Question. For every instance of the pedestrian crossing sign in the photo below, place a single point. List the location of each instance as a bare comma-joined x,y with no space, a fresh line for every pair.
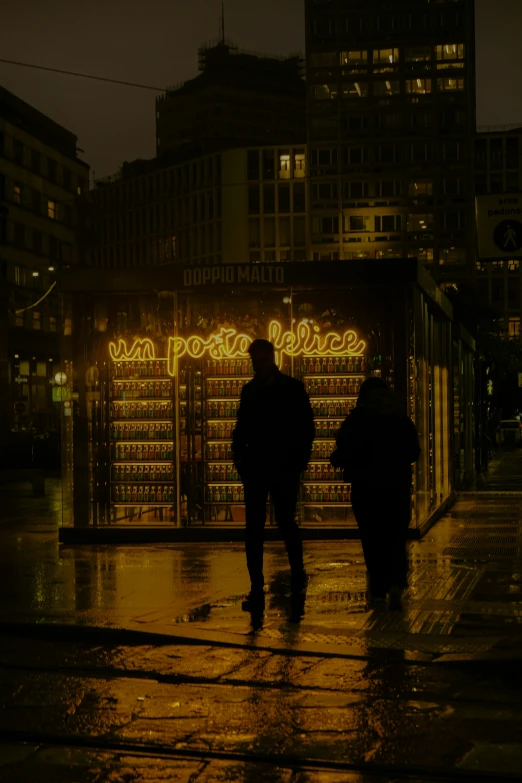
499,226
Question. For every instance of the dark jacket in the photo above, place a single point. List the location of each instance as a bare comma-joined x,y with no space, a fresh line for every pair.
275,426
376,444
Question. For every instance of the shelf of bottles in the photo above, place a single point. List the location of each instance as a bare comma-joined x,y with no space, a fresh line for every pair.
332,384
223,382
142,434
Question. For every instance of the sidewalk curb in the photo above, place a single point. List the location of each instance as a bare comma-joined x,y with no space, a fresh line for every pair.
362,648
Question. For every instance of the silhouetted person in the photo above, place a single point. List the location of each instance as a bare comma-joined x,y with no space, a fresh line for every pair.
376,447
272,443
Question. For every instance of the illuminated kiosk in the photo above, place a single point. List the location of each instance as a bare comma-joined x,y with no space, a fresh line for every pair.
157,358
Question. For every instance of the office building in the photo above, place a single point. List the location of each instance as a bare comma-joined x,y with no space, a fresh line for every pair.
40,178
228,207
391,118
498,158
237,99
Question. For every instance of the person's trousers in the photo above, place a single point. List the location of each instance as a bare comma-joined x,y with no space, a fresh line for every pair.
283,489
383,518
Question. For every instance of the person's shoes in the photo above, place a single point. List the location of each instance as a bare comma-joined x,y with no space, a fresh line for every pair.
255,601
395,598
299,581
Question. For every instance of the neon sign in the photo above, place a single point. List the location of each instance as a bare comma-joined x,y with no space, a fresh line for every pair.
141,349
305,340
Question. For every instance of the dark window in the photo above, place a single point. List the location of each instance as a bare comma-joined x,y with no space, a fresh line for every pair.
330,225
387,154
18,151
67,178
387,189
37,241
268,198
52,168
268,164
19,235
284,198
253,199
512,153
388,222
496,183
54,247
299,197
497,153
253,164
481,153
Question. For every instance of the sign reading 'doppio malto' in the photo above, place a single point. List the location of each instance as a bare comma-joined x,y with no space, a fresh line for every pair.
233,274
499,226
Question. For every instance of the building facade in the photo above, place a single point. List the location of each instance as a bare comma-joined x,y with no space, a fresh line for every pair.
228,207
498,159
237,99
391,118
40,178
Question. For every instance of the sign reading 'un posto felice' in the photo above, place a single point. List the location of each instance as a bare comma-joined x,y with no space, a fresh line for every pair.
233,274
499,226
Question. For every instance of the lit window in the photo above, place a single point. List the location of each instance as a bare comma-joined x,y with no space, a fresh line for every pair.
481,266
387,87
354,61
420,222
415,55
385,59
325,92
450,56
514,327
421,188
514,265
52,323
17,194
450,85
51,209
424,254
67,326
37,320
389,253
418,86
452,255
284,164
354,90
41,369
299,163
20,320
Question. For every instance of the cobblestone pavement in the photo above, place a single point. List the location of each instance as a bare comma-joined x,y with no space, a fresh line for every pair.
137,663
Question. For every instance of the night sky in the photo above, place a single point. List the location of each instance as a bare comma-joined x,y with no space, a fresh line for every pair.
156,43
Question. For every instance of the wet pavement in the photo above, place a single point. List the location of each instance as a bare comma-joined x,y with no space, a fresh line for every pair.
138,664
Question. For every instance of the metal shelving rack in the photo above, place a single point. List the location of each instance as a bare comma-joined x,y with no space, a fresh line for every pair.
142,431
332,384
223,381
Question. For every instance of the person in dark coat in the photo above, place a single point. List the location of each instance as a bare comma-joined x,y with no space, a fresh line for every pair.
376,447
272,444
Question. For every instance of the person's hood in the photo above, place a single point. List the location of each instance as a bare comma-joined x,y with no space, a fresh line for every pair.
379,402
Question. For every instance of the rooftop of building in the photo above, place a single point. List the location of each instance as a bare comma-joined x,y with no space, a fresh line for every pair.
28,119
500,129
223,63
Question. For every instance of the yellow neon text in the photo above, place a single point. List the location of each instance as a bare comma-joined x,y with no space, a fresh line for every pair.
305,340
141,349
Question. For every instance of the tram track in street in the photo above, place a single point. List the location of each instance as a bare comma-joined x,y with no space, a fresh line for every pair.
378,771
104,674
